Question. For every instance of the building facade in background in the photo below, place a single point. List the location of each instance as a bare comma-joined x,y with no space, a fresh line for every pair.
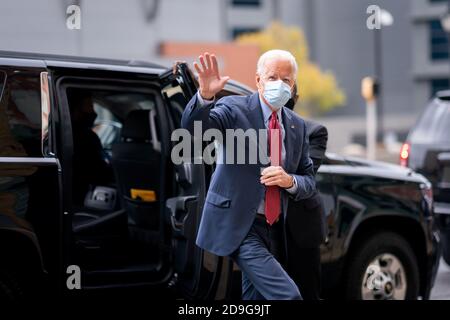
430,51
415,55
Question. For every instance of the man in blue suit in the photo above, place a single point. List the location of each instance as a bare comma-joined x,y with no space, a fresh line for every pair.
245,209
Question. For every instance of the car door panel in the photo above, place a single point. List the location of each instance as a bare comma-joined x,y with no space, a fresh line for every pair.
195,270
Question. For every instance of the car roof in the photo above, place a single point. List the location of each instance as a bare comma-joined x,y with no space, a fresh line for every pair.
67,61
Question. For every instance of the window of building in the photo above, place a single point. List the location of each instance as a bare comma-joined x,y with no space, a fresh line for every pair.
236,32
439,85
246,3
439,46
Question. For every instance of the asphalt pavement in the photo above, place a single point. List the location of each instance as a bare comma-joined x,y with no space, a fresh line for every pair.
441,289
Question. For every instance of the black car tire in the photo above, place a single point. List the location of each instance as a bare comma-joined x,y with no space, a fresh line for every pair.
369,249
10,289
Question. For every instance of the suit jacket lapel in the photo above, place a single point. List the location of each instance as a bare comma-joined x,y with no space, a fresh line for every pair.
255,116
290,140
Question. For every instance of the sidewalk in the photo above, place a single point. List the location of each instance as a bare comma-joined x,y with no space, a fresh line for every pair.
441,290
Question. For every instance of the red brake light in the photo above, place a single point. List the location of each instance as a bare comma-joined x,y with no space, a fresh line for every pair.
404,154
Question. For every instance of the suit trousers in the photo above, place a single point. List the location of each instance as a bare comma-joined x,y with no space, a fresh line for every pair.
263,277
305,269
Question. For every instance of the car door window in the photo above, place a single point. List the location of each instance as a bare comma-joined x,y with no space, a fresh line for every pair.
106,126
176,102
434,124
20,114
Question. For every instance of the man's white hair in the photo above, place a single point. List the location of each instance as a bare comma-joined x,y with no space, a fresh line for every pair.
274,54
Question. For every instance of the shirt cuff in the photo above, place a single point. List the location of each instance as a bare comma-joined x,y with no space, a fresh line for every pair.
201,101
293,189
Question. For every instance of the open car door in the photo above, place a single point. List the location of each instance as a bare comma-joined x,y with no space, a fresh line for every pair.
196,273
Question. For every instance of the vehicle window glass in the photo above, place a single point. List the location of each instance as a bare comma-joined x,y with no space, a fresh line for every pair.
98,120
107,126
446,175
176,102
434,124
20,114
110,111
116,107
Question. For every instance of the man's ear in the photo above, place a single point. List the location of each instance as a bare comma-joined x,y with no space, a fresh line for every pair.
258,83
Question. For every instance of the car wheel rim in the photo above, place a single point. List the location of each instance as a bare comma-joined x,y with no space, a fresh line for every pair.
384,279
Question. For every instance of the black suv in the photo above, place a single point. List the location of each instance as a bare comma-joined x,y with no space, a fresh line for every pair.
90,199
427,151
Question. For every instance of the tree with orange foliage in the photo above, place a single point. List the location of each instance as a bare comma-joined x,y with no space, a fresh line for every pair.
318,90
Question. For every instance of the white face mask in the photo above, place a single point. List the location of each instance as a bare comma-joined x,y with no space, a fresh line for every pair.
277,93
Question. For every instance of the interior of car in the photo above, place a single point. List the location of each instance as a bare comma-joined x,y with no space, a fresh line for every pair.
119,182
133,211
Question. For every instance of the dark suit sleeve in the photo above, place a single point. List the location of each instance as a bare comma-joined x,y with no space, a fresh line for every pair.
217,115
304,174
318,145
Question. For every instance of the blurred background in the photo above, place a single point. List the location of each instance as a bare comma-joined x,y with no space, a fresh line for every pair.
331,40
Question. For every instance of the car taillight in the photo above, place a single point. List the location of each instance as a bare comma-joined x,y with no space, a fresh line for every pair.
404,154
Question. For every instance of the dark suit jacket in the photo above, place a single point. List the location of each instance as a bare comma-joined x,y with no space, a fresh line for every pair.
306,218
235,190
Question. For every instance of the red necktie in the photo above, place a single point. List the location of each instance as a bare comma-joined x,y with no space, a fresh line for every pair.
272,205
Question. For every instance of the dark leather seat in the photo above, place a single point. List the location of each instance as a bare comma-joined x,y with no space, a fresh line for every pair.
100,212
136,161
